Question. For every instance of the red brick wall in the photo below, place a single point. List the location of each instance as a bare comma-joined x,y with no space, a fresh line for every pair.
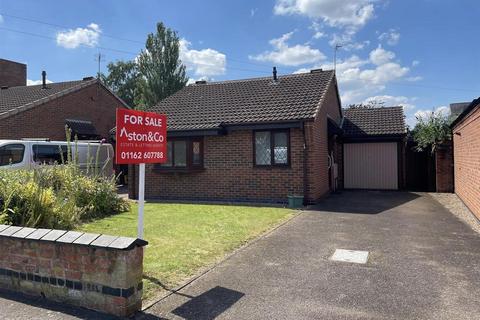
103,279
12,74
444,168
230,175
317,144
466,144
92,103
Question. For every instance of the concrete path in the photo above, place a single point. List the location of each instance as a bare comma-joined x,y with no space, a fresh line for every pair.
424,264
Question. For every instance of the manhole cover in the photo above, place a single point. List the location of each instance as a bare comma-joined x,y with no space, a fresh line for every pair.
354,256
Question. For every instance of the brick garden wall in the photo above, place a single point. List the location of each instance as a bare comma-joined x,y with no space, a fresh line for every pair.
466,144
102,273
92,103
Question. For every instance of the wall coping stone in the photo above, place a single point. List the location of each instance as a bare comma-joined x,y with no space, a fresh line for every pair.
71,237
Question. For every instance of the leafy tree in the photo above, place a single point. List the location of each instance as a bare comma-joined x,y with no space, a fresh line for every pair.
154,75
162,72
123,77
431,131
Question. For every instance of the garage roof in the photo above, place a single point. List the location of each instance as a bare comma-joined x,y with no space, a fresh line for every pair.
366,122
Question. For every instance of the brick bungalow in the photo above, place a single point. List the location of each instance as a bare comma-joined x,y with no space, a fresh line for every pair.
257,140
42,111
466,154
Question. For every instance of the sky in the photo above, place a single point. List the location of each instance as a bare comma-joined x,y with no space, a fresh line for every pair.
422,54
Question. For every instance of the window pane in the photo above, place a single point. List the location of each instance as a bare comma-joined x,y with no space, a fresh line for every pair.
280,150
49,154
180,153
262,148
169,155
196,153
11,154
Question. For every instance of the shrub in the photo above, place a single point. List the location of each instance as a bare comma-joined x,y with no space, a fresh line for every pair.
58,196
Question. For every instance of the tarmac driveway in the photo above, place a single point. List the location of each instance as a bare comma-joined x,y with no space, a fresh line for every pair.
424,264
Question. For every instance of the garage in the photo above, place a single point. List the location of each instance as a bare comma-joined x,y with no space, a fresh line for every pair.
374,148
371,165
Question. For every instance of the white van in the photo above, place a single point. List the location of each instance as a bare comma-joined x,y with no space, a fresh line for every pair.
26,154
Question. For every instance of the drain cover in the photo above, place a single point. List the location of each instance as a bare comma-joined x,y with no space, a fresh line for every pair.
353,256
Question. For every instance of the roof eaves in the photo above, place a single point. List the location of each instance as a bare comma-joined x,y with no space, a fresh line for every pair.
46,99
322,98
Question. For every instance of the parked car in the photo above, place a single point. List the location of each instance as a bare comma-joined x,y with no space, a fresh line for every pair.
27,154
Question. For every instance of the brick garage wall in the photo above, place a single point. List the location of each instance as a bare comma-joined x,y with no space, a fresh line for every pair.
444,168
466,144
230,174
317,146
12,73
105,278
92,103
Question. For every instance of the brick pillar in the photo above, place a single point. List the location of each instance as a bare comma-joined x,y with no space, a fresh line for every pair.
444,167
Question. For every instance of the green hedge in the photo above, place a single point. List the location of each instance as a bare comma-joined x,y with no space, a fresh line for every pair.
58,196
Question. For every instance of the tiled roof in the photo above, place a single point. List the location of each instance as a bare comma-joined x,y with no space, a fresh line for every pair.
211,105
361,122
17,99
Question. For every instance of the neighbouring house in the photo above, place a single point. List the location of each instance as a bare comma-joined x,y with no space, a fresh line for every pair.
86,106
466,154
374,142
257,140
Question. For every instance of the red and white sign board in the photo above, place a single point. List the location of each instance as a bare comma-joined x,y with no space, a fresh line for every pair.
141,137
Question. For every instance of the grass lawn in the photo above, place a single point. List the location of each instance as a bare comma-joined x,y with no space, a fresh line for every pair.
183,238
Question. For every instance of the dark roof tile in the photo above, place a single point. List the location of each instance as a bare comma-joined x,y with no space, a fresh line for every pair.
15,97
211,105
360,122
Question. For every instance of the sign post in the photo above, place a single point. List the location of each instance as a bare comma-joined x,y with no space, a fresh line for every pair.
141,137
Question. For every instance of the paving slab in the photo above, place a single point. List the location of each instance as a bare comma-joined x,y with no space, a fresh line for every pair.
103,241
38,234
69,237
24,232
10,230
53,235
86,238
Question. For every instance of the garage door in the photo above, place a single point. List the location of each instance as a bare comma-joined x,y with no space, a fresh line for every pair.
371,165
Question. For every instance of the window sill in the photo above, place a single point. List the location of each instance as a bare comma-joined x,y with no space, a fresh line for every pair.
177,170
272,167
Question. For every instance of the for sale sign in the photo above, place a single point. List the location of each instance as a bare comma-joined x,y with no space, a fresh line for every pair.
141,137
